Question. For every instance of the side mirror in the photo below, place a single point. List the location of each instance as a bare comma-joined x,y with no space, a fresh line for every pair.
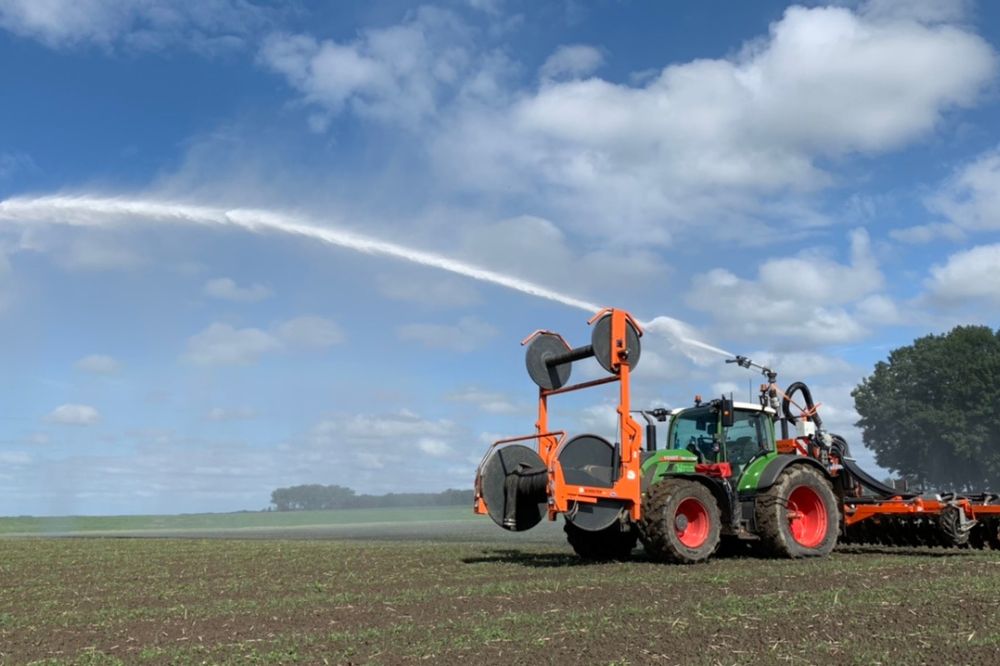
726,411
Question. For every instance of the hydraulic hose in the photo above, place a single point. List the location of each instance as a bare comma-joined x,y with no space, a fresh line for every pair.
786,403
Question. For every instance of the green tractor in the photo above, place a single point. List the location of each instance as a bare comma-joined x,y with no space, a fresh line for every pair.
721,480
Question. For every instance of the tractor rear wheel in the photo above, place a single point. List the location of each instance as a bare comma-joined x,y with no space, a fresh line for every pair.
611,543
798,515
681,521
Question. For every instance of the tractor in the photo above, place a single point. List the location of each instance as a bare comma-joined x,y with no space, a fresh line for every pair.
727,475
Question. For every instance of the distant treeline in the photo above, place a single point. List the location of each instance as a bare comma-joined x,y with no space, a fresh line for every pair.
316,497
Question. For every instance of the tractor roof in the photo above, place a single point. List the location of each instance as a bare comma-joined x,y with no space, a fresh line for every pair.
750,406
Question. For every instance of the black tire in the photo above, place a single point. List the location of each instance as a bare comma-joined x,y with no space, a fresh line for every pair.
992,526
774,514
664,521
733,546
612,543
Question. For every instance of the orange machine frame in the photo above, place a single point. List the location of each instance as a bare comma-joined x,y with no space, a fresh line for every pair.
627,487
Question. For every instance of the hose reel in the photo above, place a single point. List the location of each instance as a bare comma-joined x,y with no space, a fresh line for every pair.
592,461
549,359
512,482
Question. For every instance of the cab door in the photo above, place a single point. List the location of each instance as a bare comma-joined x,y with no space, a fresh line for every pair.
748,437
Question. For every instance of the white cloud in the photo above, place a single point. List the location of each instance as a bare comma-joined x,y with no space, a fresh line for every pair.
14,458
389,452
801,298
397,73
968,276
6,280
222,344
970,199
436,292
572,61
143,25
722,136
491,7
468,334
98,253
403,424
98,364
223,414
70,414
226,289
926,11
434,447
309,332
879,310
726,388
536,248
925,233
13,163
492,402
793,366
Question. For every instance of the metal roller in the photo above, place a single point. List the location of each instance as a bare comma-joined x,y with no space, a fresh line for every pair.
545,348
549,359
588,460
600,341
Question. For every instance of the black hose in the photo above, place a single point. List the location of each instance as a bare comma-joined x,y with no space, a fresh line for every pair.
524,489
786,403
840,446
862,477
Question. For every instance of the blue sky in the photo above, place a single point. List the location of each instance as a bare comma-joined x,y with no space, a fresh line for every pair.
810,184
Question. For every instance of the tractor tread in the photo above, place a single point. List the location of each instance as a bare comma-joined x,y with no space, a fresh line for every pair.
659,508
776,539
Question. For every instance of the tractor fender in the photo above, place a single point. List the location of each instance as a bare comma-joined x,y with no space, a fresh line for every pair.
718,492
783,462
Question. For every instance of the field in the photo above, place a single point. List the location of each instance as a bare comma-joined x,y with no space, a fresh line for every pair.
363,588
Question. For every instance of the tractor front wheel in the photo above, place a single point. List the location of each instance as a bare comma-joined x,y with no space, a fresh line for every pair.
611,543
681,522
798,515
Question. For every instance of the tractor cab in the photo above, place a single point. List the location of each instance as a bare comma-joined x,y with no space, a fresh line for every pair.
722,431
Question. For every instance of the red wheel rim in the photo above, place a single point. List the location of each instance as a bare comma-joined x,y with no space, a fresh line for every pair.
807,517
691,523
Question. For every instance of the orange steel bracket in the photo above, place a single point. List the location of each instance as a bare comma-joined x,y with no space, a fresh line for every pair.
478,504
627,486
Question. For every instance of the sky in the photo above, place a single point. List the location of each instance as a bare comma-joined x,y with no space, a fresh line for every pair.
196,301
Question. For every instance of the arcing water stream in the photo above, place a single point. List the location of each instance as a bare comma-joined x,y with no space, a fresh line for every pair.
90,211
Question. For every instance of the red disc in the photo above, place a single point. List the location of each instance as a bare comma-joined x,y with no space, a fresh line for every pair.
807,517
691,523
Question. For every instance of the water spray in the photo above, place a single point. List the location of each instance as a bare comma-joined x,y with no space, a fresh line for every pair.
102,212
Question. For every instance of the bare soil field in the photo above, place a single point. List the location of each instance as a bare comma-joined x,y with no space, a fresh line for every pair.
354,601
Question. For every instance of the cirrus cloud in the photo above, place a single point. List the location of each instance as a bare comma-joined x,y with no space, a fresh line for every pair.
73,414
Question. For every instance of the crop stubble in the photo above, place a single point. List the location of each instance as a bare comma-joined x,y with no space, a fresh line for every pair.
297,601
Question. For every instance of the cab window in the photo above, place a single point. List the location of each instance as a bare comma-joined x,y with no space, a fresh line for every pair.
697,431
748,436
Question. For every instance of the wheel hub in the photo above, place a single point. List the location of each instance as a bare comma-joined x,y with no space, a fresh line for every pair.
691,523
807,518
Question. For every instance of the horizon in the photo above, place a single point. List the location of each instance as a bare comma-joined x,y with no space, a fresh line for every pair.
253,245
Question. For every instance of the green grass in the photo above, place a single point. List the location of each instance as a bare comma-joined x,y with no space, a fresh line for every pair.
108,601
229,521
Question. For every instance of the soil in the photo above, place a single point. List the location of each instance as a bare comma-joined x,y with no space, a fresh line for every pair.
351,602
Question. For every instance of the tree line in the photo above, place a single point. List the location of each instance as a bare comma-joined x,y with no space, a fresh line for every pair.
317,497
931,411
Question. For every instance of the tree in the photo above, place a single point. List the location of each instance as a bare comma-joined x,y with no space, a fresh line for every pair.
314,497
932,412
